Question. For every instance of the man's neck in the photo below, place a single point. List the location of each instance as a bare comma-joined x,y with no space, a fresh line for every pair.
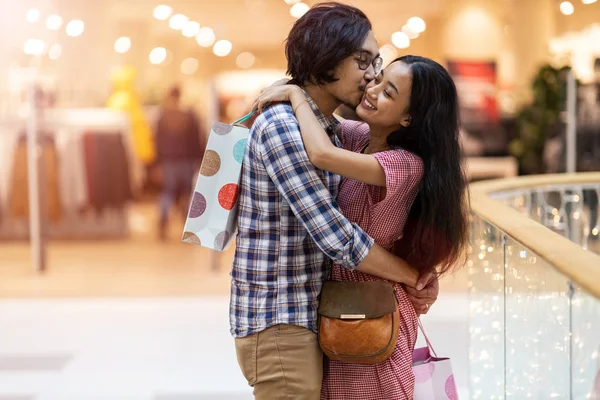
326,103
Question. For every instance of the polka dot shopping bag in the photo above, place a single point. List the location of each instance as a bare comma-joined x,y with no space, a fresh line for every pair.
212,218
434,379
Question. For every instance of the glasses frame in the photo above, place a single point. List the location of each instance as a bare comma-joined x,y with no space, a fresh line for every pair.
376,62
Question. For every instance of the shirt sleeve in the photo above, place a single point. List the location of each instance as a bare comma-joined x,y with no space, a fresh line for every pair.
298,181
403,174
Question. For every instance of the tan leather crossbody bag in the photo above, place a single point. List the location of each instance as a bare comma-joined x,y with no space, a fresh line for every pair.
358,321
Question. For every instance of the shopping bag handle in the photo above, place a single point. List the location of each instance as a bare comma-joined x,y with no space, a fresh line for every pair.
244,118
426,338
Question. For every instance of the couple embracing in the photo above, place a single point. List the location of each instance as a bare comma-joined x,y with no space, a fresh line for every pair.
323,199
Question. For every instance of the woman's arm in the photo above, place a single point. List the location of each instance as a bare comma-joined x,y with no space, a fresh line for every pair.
321,151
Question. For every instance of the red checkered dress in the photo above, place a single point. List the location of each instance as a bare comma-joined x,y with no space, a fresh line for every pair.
384,221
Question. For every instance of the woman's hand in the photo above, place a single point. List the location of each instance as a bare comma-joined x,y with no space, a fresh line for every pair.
277,93
428,289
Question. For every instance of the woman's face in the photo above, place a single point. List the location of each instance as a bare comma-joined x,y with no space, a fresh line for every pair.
386,100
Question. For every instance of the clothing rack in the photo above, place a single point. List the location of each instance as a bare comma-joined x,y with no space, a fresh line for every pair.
65,123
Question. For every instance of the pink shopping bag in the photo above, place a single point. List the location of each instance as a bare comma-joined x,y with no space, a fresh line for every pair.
434,379
596,389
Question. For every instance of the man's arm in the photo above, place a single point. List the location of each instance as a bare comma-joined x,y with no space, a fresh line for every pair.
384,264
297,180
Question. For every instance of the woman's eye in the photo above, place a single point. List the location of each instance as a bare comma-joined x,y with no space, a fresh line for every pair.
385,92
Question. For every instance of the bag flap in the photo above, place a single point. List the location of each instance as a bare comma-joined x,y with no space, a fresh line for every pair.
357,300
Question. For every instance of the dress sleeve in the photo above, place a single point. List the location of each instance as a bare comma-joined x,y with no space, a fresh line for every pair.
403,174
354,133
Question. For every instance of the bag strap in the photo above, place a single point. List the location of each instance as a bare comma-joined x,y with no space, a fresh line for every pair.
244,118
426,338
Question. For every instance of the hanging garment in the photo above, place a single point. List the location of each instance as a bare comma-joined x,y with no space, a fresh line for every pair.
72,173
8,139
49,186
107,170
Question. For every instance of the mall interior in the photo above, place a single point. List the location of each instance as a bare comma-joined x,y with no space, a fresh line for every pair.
101,299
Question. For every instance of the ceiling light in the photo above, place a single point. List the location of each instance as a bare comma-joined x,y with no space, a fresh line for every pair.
55,52
222,48
299,9
189,66
567,8
54,22
122,45
206,37
33,15
417,24
75,28
190,29
400,40
178,21
588,1
409,32
245,60
34,47
158,55
291,2
162,12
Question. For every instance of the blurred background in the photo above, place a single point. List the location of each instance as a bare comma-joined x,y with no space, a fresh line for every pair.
99,299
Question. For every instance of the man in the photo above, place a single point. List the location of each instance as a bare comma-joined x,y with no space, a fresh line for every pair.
179,147
289,226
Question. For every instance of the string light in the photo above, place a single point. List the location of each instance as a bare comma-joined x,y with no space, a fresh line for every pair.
222,48
417,24
162,12
34,47
206,37
54,22
400,40
408,31
75,28
122,45
567,8
189,66
33,15
55,52
178,21
191,29
245,60
299,9
158,55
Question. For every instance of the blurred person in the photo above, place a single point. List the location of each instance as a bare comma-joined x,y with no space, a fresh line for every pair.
179,150
403,179
289,226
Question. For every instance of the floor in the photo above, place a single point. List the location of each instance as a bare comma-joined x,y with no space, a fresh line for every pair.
144,320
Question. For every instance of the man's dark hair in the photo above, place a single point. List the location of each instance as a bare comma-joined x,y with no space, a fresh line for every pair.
321,39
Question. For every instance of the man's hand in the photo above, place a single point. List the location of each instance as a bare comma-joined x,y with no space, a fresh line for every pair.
423,299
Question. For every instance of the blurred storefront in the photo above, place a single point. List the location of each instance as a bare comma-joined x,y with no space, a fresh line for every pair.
101,70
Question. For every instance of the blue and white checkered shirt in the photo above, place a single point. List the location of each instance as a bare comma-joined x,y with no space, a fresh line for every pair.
289,228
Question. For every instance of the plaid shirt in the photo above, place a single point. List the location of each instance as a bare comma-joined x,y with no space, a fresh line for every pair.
289,228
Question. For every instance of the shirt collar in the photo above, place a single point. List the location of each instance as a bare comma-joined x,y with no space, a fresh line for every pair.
330,124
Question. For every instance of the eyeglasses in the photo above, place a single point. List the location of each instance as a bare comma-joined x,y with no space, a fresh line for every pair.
365,59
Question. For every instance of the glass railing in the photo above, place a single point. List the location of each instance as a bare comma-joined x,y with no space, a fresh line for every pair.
534,296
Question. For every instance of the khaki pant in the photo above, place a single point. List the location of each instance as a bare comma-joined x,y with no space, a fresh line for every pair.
282,362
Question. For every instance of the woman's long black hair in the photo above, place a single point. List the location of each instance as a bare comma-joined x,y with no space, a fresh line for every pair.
436,231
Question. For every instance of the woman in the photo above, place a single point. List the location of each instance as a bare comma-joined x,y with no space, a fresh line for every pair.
404,186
